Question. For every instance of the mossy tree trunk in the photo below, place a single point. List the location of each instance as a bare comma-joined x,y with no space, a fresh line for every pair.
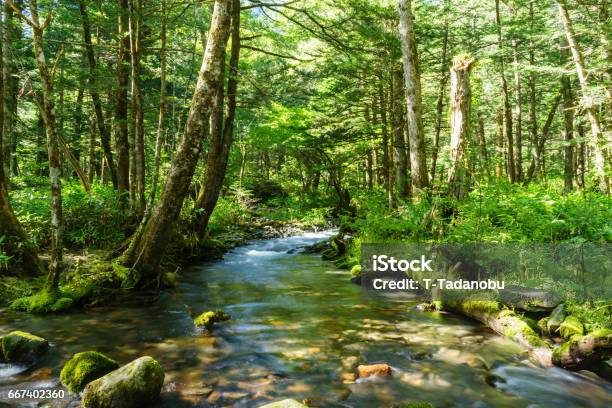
146,249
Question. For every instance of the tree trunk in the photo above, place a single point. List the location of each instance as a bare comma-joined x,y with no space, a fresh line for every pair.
533,118
12,35
441,93
482,143
146,250
414,105
602,161
537,166
518,116
95,95
48,114
580,159
400,158
15,241
499,145
137,109
461,102
369,174
121,101
507,109
219,149
386,167
568,134
92,149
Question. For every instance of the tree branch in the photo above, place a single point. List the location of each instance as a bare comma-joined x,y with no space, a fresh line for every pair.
275,54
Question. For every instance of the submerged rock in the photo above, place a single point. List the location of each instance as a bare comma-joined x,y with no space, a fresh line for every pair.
84,368
208,319
288,403
137,384
381,370
529,299
22,347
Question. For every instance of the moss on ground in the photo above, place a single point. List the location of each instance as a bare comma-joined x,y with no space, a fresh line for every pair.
208,319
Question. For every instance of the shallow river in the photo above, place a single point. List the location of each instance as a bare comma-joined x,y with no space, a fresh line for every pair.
297,326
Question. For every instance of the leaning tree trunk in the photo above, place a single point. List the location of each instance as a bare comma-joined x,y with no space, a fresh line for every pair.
15,241
219,149
414,103
146,250
460,100
12,35
538,158
602,162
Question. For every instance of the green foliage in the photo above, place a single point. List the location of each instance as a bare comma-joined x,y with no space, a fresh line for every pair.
208,319
571,326
45,301
595,315
94,220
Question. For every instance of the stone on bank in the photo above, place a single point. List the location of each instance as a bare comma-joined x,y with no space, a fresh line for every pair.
137,384
288,403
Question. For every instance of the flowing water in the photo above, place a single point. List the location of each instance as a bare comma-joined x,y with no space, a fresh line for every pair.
297,329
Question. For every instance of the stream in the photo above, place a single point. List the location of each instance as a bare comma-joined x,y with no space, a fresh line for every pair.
297,325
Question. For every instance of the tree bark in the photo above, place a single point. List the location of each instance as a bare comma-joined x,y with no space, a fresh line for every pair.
499,145
518,116
533,117
137,100
218,151
146,250
461,102
369,175
121,101
568,134
400,158
12,35
414,104
599,142
386,167
95,95
507,109
537,166
482,143
441,93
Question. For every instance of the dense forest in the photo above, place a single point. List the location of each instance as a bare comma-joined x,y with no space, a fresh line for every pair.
141,137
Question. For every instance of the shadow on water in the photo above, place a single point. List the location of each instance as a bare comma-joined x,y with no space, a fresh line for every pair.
297,330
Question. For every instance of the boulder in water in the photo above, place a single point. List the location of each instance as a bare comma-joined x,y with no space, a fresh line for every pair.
84,368
381,370
137,384
529,299
288,403
22,347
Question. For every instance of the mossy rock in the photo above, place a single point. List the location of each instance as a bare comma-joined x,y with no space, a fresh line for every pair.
571,326
529,299
22,347
288,403
420,404
137,384
208,319
84,368
556,318
356,271
42,302
543,325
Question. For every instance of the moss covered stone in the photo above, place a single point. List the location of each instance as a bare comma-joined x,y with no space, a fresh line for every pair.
137,384
208,319
84,368
22,347
556,318
356,270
